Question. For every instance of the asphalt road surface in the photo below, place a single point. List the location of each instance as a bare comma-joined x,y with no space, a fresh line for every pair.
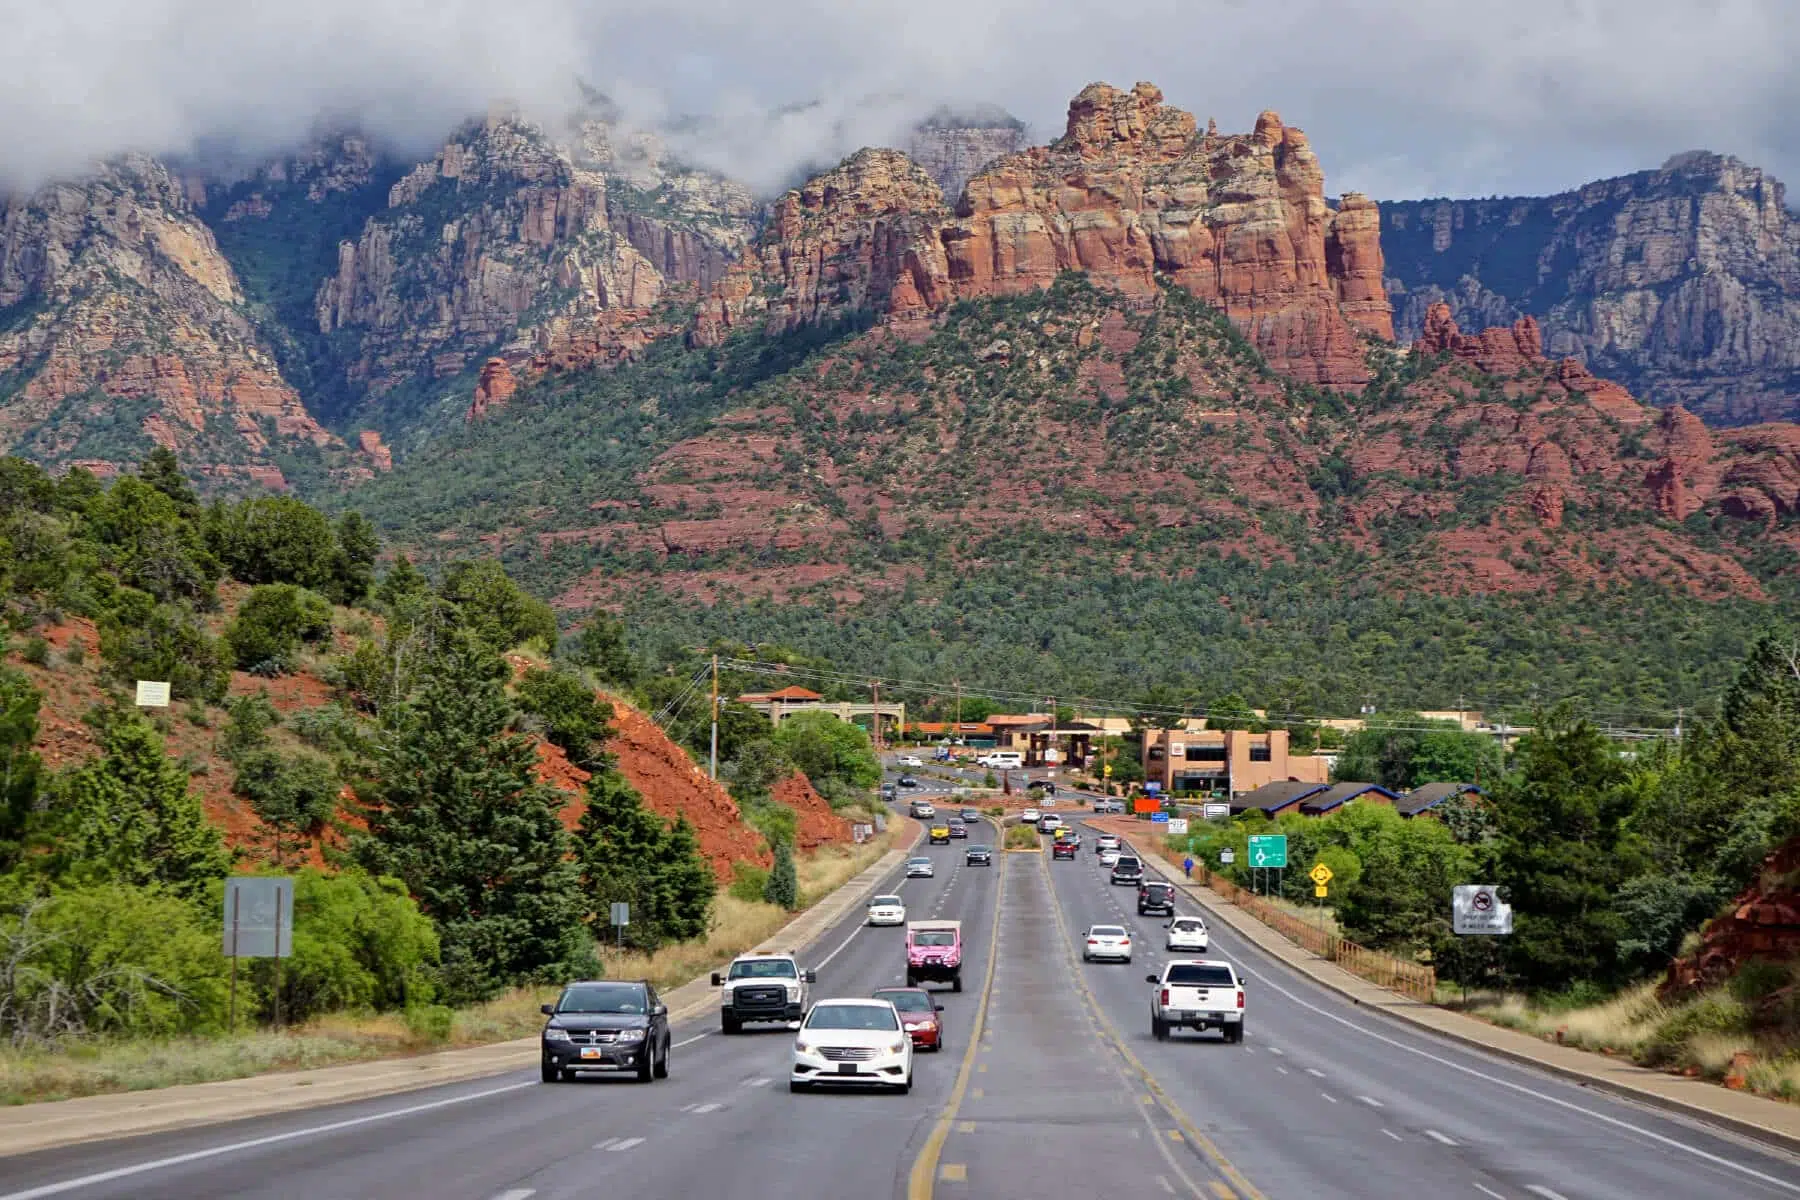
1049,1086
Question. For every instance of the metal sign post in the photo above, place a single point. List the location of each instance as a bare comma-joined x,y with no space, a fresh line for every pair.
621,917
259,923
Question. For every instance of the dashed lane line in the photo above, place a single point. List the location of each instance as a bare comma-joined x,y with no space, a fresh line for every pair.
1440,1139
1538,1189
1371,1101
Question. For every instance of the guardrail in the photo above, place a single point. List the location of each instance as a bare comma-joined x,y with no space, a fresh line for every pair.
1409,979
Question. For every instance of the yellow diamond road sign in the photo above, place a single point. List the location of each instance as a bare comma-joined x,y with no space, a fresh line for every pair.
1321,874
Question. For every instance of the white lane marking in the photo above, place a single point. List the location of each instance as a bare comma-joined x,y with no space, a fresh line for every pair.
516,1194
755,1082
1329,1097
1315,1072
689,1041
1371,1101
606,1145
1615,1122
175,1160
1488,1191
1282,1070
1166,1185
1439,1138
625,1144
1277,1051
708,1108
1538,1189
1393,1135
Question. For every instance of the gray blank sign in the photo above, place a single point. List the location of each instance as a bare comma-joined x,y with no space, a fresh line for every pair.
263,908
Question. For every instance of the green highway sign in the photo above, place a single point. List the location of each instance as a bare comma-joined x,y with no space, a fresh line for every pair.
1268,850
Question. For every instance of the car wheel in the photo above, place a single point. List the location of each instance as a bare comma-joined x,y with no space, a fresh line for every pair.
646,1065
1234,1033
730,1025
956,984
1159,1029
795,1086
662,1064
906,1084
552,1074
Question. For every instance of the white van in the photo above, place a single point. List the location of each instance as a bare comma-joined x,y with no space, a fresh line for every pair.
1002,760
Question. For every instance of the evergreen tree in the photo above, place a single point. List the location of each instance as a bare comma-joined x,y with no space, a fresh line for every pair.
601,648
457,813
18,764
162,471
1564,853
630,854
353,565
783,888
128,816
402,582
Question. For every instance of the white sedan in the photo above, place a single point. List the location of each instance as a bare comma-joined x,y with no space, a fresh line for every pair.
888,910
852,1041
1107,941
919,868
1109,856
911,760
1188,933
1031,816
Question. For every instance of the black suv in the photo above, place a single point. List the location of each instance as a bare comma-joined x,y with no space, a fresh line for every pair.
1158,898
606,1025
1128,870
978,854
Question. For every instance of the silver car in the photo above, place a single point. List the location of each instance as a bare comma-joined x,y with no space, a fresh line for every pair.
919,868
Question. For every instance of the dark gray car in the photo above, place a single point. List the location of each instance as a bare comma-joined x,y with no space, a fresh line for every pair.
606,1025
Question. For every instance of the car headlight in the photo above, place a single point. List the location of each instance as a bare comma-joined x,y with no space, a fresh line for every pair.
553,1034
898,1047
803,1048
631,1035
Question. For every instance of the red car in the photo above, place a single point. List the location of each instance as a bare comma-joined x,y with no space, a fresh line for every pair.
919,1014
1063,850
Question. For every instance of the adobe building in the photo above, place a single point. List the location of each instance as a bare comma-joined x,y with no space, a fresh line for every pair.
1228,760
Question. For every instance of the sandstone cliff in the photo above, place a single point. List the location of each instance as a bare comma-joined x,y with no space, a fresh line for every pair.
122,325
1133,190
953,145
1683,283
507,242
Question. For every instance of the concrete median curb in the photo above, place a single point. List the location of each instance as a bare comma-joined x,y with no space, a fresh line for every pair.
1758,1118
31,1127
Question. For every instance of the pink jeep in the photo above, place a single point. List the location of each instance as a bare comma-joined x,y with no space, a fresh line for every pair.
934,953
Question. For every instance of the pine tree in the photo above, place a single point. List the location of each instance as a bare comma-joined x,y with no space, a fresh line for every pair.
162,471
630,854
128,816
783,887
457,813
18,764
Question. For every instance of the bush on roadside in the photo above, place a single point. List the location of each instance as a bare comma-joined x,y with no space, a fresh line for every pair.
270,626
1022,837
430,1022
360,943
748,882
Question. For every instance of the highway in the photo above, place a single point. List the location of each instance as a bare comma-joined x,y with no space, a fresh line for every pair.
1062,1093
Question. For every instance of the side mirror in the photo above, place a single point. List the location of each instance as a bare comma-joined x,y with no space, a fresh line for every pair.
718,980
1150,979
549,1010
810,976
662,1010
938,1007
1166,924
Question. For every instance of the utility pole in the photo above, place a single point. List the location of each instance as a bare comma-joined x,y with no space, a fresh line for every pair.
875,717
714,773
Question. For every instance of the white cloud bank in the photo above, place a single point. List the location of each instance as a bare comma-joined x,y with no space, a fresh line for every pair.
1401,97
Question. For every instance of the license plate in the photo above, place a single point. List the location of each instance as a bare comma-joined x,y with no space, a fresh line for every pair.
846,1068
590,1052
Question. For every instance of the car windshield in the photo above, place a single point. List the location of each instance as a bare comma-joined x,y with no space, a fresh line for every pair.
604,998
885,902
852,1016
1107,931
907,1001
763,968
978,849
920,862
1128,861
1192,975
1156,889
933,937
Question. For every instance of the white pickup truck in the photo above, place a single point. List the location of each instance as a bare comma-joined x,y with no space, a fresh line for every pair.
1198,994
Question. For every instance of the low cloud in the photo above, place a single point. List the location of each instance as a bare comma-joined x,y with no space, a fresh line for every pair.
1401,97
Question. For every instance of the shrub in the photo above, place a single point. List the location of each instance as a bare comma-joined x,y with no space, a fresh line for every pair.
273,539
273,621
748,882
36,652
1022,837
574,718
359,943
248,720
430,1022
144,640
76,653
329,727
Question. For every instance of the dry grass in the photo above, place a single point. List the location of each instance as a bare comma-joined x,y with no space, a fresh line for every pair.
103,1066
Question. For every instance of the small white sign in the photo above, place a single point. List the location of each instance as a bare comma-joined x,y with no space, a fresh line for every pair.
1214,811
1476,908
152,693
1177,826
259,916
1227,857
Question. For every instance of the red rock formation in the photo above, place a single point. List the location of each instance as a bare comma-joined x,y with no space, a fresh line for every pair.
494,389
1130,192
817,825
379,456
1498,351
1764,923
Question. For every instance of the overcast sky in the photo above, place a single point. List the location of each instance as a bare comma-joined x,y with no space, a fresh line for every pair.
1402,98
